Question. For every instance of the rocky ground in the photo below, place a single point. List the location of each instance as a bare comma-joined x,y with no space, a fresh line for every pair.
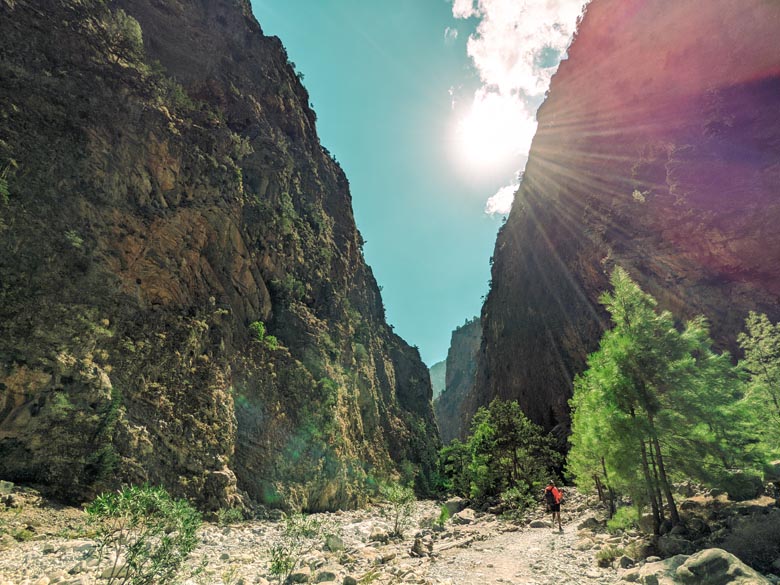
42,544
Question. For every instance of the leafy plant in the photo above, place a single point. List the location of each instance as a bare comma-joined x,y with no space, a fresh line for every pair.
144,533
625,518
515,502
258,330
299,536
227,516
401,504
74,239
444,515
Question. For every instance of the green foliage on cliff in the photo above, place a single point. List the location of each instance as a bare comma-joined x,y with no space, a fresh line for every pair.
504,451
656,404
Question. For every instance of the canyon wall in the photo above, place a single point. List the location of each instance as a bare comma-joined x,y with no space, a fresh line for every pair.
183,294
658,150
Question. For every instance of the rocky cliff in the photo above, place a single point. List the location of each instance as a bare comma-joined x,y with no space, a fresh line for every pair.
657,150
459,383
183,294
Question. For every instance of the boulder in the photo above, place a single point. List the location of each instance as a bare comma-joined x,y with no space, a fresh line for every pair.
714,566
326,576
669,546
466,516
300,575
455,505
658,573
378,535
772,471
741,486
334,543
589,524
539,524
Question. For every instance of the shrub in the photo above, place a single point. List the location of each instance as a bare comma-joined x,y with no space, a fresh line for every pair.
444,515
147,528
624,518
756,541
606,556
258,330
401,503
226,516
515,502
299,536
271,342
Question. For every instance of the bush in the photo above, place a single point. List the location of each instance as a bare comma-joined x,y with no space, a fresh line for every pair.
624,518
444,515
401,503
606,556
515,502
756,541
258,330
226,516
742,485
147,528
299,536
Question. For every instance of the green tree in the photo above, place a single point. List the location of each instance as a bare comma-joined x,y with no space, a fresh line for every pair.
655,402
505,451
761,344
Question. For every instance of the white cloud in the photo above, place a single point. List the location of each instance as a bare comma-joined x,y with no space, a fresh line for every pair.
516,49
501,202
450,35
518,43
463,9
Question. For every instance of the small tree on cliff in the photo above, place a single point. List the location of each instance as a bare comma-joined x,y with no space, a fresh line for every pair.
655,402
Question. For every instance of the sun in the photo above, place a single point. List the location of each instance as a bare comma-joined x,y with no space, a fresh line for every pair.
495,132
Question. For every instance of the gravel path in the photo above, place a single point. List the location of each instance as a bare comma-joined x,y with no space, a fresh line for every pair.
531,556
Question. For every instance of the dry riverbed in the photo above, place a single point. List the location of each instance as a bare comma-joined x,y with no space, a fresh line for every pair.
44,544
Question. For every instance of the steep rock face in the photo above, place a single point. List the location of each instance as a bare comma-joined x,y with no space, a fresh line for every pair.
460,380
183,295
657,150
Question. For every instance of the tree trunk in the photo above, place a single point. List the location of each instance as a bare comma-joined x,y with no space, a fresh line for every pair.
650,490
609,488
675,516
658,494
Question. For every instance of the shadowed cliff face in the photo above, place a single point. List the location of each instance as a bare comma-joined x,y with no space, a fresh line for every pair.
459,385
657,150
165,196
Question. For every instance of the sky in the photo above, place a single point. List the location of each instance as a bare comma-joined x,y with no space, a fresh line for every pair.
429,107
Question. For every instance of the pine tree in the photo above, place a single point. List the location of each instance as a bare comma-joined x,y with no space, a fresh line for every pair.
656,403
761,344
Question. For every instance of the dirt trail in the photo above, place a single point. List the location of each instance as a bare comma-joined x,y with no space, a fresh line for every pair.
531,556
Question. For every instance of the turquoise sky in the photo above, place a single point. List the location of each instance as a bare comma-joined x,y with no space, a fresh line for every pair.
380,76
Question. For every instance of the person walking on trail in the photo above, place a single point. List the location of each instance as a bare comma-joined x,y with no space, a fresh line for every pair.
553,497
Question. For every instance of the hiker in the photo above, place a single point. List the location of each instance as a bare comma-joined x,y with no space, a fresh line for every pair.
553,497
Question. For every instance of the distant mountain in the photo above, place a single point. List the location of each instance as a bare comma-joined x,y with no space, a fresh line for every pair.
459,382
438,372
